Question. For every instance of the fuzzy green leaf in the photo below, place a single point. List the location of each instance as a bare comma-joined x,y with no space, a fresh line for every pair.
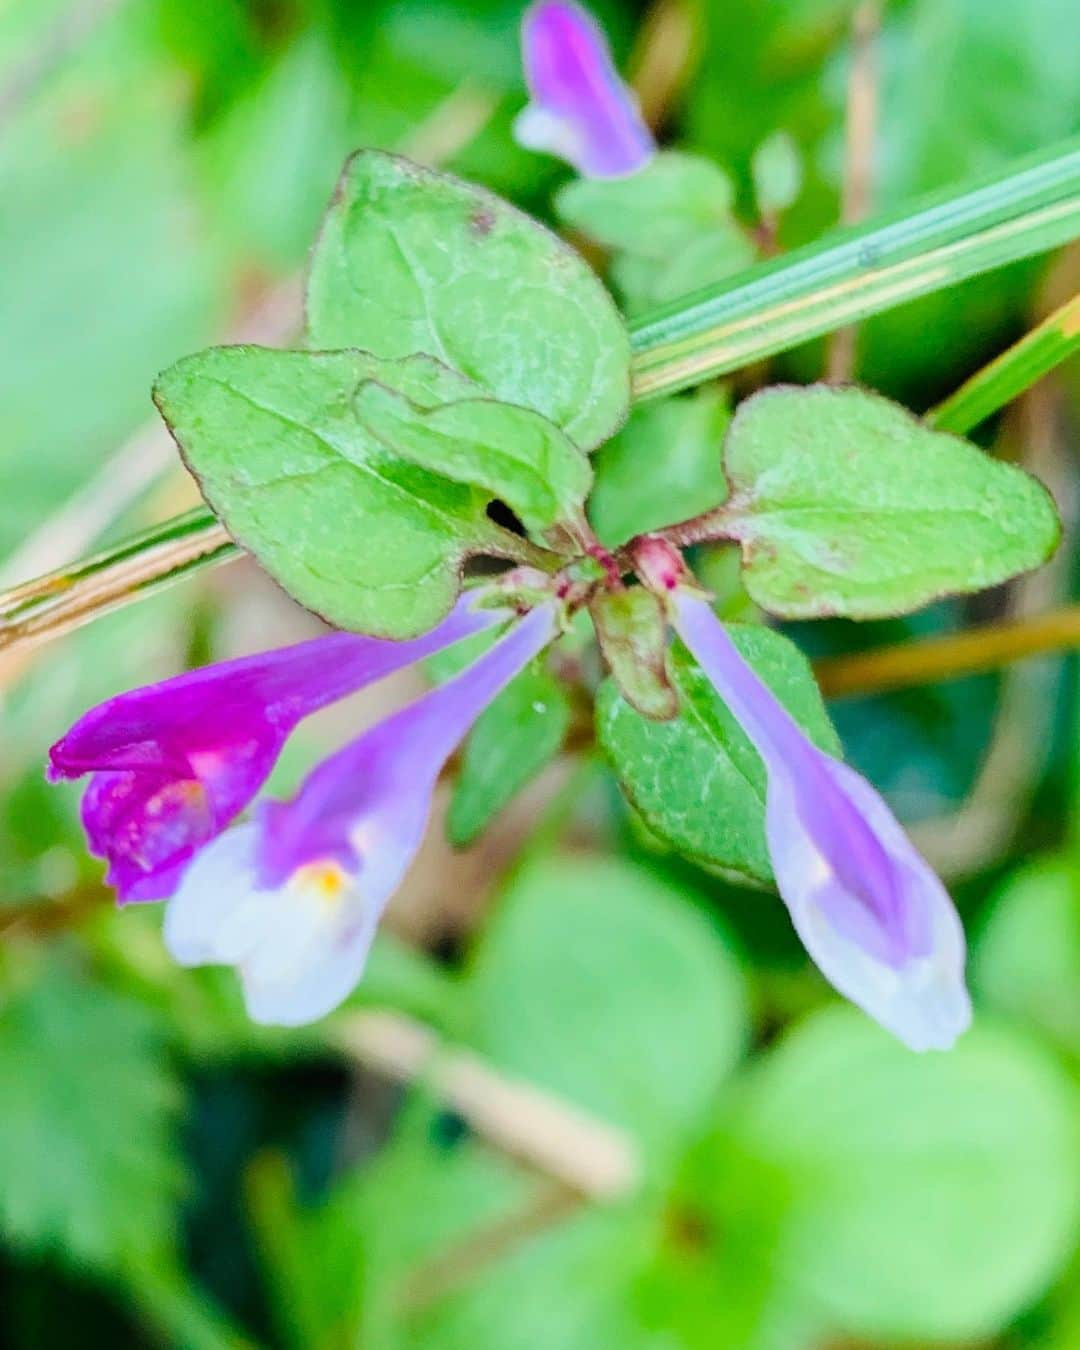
697,780
363,537
410,260
516,737
514,453
846,504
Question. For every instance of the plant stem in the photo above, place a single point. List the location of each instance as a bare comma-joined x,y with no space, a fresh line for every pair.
1035,355
949,657
138,567
860,129
845,277
852,274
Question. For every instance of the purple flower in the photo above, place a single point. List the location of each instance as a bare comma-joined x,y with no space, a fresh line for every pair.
174,763
293,899
868,907
580,111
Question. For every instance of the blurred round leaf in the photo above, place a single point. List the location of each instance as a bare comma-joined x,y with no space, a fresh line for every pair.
931,1196
600,982
1027,961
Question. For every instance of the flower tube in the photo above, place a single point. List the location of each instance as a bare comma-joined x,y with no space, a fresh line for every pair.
173,763
867,906
580,110
294,898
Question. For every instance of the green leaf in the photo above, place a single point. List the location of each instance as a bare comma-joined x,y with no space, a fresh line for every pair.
968,85
697,780
87,1160
364,538
1027,960
601,982
662,467
429,1193
846,504
676,197
410,260
778,174
670,225
700,262
631,629
932,1196
514,453
516,737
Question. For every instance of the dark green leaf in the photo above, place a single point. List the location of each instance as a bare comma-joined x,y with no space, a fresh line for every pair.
415,261
846,504
517,736
370,541
87,1160
662,467
697,780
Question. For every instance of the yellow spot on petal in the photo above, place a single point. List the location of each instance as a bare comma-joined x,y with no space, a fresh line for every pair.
325,882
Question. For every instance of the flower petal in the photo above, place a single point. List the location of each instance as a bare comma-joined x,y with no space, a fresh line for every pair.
581,111
869,909
173,763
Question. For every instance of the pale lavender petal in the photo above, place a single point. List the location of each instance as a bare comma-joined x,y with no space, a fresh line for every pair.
299,950
580,111
174,762
385,779
293,900
869,908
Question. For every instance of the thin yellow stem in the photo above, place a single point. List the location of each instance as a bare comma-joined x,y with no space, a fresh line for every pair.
949,658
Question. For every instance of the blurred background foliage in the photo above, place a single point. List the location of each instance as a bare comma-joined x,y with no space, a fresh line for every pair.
170,1175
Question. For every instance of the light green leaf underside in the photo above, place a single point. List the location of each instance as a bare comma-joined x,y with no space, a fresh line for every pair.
410,260
696,780
846,504
371,542
517,736
514,453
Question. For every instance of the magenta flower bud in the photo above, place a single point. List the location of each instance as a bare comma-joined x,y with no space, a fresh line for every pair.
293,899
580,110
173,763
869,909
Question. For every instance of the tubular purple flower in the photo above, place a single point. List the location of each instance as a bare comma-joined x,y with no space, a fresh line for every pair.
867,906
293,899
580,111
173,763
